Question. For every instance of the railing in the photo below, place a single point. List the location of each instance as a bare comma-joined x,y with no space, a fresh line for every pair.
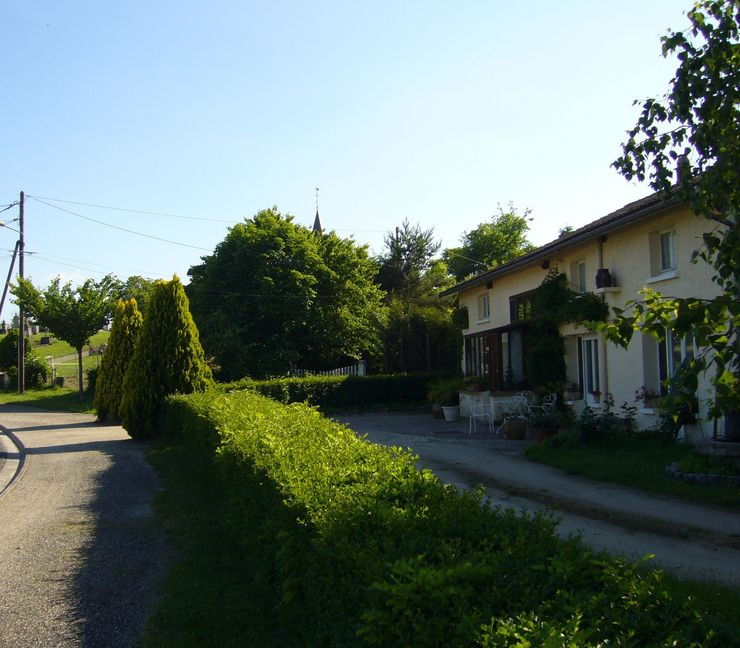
359,369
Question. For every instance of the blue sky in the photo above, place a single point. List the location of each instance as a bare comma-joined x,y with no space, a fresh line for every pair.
435,112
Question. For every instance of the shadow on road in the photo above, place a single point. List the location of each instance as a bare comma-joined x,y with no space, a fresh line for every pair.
126,558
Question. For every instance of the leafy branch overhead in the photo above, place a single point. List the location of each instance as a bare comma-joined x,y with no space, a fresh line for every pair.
687,145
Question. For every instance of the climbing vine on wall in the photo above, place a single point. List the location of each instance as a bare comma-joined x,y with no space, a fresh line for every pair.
553,305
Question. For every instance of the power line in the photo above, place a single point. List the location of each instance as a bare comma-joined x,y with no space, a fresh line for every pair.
81,263
122,229
133,211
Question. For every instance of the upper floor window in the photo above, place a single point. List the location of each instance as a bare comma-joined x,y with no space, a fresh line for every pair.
520,307
667,251
662,252
578,276
484,308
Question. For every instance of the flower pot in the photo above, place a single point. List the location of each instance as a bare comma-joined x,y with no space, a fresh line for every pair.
451,412
540,434
515,429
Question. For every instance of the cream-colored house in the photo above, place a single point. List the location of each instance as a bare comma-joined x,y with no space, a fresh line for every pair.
646,243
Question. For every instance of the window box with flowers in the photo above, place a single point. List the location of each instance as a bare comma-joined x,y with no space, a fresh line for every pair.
649,398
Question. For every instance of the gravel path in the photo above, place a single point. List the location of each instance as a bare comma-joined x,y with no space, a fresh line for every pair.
81,557
689,540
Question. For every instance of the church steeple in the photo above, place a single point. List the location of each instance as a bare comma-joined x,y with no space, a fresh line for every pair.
317,229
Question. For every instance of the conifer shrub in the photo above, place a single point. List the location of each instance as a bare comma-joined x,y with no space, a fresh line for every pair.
108,386
356,546
168,359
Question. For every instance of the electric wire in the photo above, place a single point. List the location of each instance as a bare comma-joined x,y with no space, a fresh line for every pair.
133,211
122,229
171,215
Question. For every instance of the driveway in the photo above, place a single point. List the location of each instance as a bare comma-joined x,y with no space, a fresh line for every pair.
81,556
689,540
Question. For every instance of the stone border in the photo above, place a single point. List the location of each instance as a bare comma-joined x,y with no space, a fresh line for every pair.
702,478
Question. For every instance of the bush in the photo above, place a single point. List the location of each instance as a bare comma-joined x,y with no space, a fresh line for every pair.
127,323
168,359
342,392
93,374
357,546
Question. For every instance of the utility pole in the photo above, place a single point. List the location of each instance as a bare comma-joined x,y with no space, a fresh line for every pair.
21,314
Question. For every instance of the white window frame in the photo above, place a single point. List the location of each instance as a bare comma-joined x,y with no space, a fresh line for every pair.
484,308
670,266
663,260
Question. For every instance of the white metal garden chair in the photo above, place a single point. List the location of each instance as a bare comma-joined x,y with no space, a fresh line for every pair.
480,410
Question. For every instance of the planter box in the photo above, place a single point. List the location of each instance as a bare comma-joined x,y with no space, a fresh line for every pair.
451,412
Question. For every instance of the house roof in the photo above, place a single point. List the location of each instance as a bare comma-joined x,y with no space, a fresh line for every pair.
648,206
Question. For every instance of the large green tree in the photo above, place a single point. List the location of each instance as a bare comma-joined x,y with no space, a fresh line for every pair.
168,359
695,129
71,314
490,244
127,322
275,296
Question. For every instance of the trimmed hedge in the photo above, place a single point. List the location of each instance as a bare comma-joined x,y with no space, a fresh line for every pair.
357,546
343,392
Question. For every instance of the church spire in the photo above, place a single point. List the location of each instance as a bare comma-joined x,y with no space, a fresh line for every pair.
317,229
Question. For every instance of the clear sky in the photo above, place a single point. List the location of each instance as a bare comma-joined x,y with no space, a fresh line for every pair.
434,112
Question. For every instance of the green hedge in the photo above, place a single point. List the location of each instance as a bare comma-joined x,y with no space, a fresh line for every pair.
343,392
358,547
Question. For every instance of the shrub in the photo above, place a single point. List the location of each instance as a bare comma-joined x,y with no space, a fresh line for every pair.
168,359
127,323
357,546
342,392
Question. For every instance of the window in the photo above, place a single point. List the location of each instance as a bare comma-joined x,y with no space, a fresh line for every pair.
667,251
578,276
663,253
520,307
477,355
588,359
484,310
673,351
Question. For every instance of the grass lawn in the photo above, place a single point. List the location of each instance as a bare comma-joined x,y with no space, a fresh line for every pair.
639,463
59,349
55,399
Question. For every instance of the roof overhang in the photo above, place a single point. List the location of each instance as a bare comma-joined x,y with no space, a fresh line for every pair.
650,206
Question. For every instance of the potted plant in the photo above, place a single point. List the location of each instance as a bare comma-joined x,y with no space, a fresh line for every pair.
446,393
474,384
648,396
546,424
573,391
515,425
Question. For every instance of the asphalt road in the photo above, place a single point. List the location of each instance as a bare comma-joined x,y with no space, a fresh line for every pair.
81,557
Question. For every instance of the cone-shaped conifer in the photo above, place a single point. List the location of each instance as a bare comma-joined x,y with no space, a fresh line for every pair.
168,359
125,330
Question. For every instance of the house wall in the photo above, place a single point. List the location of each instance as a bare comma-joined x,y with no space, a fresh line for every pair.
627,253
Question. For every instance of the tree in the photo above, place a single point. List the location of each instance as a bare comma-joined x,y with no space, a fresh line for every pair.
72,315
410,251
138,288
127,322
168,359
490,244
274,296
694,132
